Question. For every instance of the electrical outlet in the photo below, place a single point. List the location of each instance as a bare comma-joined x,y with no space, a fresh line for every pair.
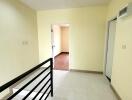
124,46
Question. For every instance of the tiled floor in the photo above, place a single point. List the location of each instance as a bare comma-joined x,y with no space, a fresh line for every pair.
81,86
62,62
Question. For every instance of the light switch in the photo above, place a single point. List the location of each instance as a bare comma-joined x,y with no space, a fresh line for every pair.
24,42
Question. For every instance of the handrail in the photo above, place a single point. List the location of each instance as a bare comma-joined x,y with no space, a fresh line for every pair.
10,83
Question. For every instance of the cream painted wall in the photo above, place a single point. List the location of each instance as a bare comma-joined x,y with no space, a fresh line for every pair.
18,39
122,64
87,28
57,39
65,39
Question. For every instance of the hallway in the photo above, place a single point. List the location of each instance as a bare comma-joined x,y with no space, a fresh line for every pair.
81,86
62,62
96,34
70,85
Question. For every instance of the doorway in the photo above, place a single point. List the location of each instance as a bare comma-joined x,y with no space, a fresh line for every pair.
60,46
110,47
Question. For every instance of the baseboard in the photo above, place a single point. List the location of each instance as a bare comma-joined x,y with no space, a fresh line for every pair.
65,52
61,53
57,55
115,92
86,71
108,78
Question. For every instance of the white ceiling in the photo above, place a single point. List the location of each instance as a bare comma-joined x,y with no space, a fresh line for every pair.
59,4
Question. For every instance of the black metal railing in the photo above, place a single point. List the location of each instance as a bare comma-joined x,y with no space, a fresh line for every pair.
48,85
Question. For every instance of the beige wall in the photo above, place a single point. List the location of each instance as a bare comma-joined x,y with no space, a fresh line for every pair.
122,64
57,39
64,39
18,39
87,28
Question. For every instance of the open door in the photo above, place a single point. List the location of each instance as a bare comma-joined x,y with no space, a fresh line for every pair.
110,48
52,43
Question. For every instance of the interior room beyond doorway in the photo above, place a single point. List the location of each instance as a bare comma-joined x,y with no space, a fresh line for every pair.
60,46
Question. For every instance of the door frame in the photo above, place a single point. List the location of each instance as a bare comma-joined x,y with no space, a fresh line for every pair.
107,41
52,41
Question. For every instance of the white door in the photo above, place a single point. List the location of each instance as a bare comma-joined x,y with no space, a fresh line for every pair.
110,48
52,43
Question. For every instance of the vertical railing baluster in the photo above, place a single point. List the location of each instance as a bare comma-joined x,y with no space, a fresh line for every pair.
51,75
